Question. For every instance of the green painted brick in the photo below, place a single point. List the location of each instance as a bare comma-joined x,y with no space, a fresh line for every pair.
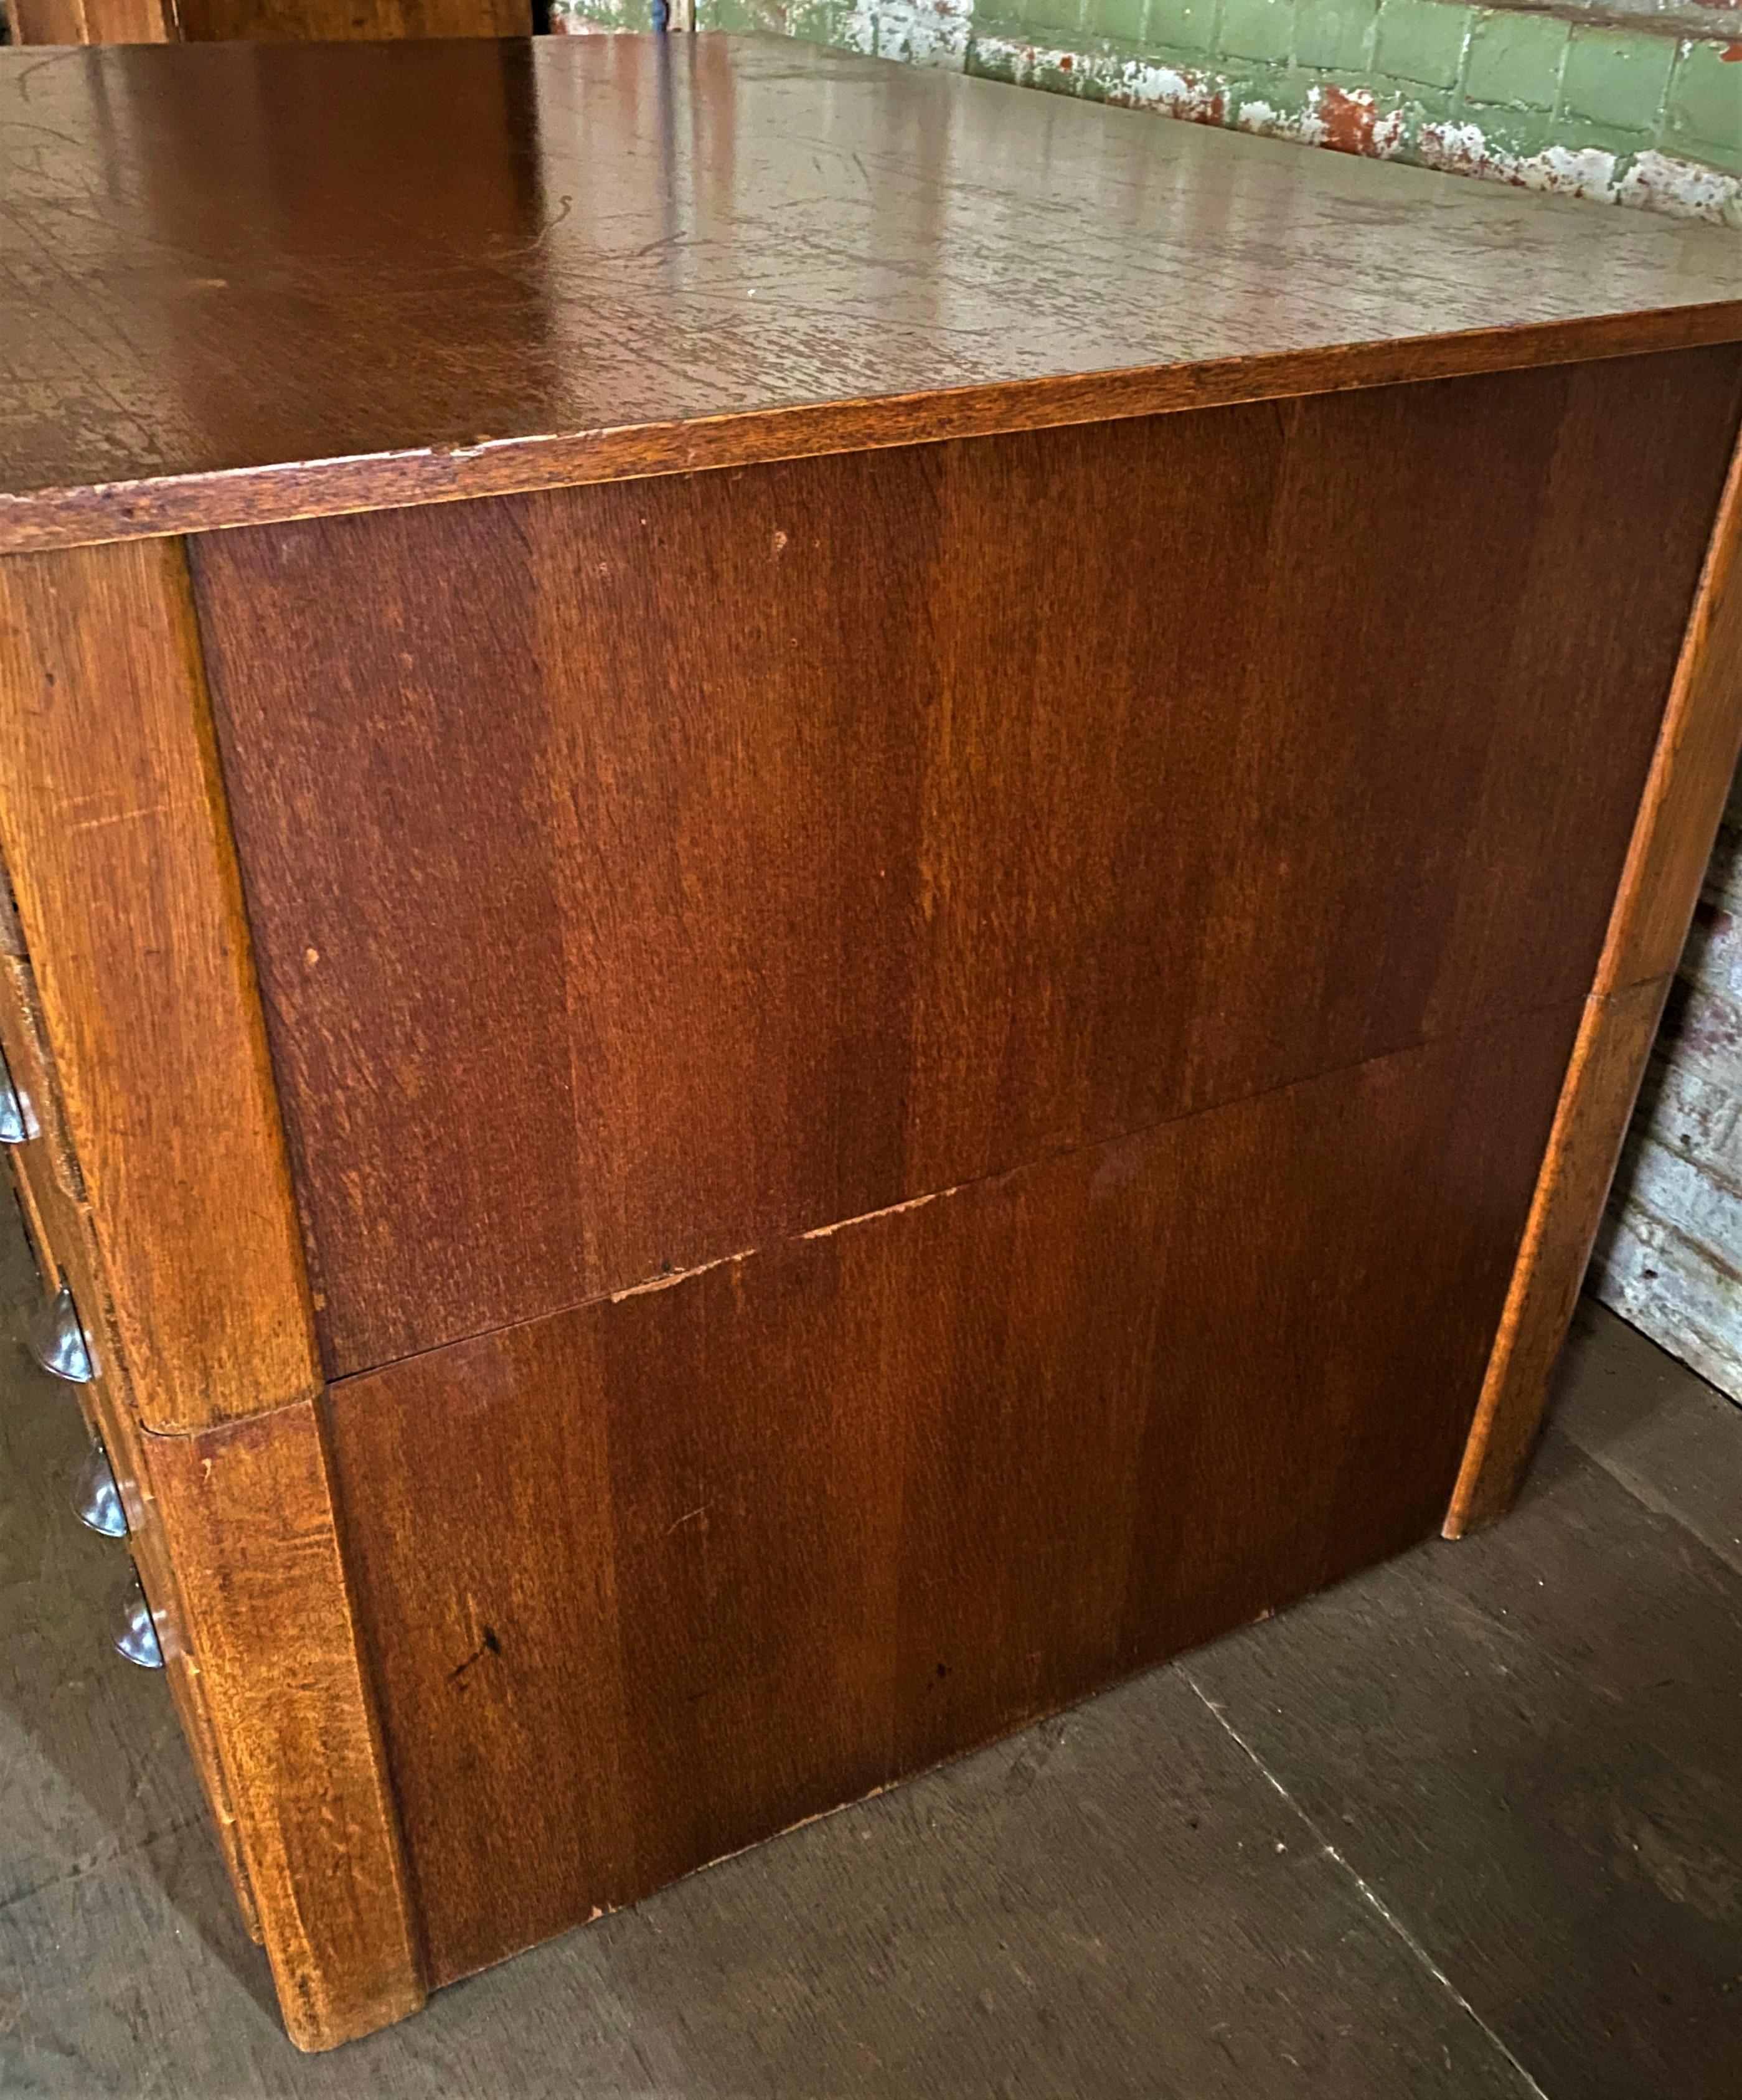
1123,18
1185,25
1060,17
992,58
1284,89
1703,117
1515,60
1616,76
1175,57
1335,35
1263,29
1423,42
1507,130
1579,133
816,21
1055,79
1429,105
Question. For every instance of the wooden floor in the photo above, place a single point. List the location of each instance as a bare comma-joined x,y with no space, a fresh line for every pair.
1471,1825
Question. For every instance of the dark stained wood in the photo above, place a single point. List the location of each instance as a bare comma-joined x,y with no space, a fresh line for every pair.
689,252
1145,874
274,21
647,1581
247,1509
261,21
113,832
639,873
1691,772
1677,819
1602,1084
92,21
1524,1744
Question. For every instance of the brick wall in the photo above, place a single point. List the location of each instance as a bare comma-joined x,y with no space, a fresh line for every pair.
1620,110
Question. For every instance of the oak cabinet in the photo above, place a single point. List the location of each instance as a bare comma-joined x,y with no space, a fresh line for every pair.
841,920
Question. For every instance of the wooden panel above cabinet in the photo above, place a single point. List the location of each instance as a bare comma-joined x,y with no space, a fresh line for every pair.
641,873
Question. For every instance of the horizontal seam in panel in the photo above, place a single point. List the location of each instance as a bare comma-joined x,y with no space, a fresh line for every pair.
1573,1004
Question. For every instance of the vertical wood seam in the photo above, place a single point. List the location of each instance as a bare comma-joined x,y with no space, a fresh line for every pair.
114,738
1691,767
148,990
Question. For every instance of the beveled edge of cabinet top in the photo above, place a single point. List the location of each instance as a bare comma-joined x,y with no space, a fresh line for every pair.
246,283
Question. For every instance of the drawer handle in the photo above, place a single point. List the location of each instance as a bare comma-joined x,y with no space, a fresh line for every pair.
18,1126
57,1341
96,1500
136,1637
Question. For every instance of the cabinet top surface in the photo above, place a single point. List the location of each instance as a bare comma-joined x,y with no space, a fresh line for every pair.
242,282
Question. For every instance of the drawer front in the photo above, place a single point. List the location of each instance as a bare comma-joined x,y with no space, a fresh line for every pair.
638,873
647,1581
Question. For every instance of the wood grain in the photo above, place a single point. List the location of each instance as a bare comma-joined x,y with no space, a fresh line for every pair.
260,21
1691,770
327,21
647,1581
235,1544
329,278
57,1211
1115,1902
93,21
1601,1083
247,1509
1035,790
112,828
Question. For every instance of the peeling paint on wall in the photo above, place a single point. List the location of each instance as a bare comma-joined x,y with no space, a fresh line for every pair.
1669,1256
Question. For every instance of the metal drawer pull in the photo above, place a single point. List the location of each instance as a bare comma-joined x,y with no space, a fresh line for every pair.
96,1500
137,1638
57,1341
18,1126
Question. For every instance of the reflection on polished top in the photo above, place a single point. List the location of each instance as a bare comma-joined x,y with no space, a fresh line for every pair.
341,275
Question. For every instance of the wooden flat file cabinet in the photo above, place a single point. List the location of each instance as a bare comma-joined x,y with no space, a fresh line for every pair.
833,894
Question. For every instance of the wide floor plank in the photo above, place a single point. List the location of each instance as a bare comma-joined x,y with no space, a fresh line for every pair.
1669,1437
1525,1745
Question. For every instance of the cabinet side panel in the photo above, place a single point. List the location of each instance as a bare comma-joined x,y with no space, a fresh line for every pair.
640,873
114,834
648,1580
